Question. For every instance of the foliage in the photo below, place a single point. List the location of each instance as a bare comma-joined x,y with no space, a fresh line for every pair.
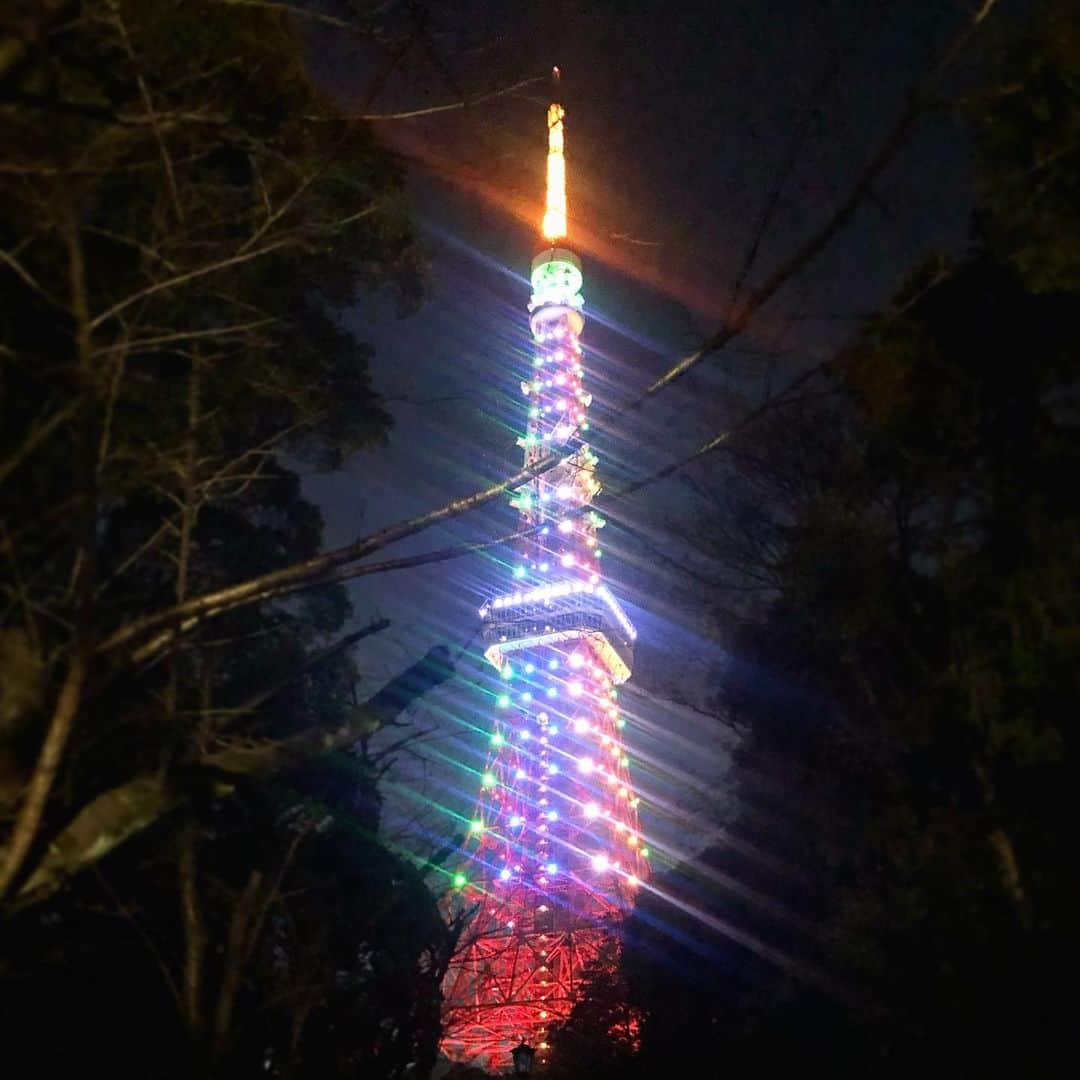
896,891
1027,129
600,1035
322,956
182,217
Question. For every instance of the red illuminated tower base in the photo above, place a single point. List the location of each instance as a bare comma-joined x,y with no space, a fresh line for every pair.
554,851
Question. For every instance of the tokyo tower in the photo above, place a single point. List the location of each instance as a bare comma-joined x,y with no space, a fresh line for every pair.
554,851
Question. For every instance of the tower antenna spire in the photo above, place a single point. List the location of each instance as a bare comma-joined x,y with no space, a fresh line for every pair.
554,223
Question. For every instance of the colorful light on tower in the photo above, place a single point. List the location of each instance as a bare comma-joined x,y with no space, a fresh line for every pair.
554,847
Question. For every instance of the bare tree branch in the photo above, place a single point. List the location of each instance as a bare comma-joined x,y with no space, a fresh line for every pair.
918,101
293,11
319,658
116,815
186,335
309,570
182,279
151,112
35,437
430,110
28,278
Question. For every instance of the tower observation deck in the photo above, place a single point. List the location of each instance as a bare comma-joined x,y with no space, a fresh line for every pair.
554,851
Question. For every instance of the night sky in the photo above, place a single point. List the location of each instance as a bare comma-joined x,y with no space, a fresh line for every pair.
684,123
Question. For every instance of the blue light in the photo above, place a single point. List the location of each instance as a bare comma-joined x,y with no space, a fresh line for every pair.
503,701
504,875
530,668
552,868
519,571
553,664
552,691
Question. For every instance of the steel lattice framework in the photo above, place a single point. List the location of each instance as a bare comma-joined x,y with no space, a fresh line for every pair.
555,851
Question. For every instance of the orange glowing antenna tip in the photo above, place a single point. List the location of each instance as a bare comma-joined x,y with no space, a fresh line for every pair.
554,226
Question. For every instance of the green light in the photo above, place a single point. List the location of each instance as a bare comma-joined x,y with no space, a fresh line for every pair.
497,739
503,701
519,571
507,671
644,852
624,761
476,826
488,780
621,722
557,278
534,412
459,881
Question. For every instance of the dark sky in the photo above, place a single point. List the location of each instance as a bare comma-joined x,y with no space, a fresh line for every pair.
684,122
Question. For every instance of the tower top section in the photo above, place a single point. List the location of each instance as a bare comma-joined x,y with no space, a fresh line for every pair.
554,225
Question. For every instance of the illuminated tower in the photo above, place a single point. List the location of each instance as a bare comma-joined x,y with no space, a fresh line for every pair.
554,851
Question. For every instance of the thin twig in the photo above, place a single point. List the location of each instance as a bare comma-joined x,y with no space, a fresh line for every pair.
430,110
862,187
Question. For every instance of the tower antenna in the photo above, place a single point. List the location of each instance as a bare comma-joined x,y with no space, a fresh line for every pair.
554,223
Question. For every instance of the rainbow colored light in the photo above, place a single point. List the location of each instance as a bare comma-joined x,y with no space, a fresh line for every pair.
554,846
